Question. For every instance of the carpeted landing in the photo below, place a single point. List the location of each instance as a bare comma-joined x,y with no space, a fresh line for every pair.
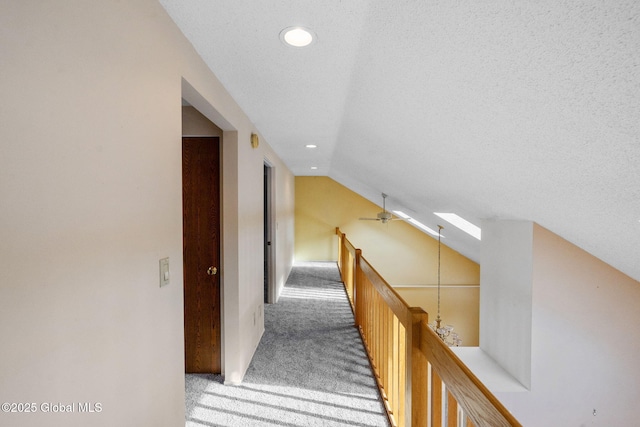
310,368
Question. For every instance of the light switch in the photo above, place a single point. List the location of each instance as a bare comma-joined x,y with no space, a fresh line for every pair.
164,272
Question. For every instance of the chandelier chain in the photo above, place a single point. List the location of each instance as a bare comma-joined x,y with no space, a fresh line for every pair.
439,244
445,332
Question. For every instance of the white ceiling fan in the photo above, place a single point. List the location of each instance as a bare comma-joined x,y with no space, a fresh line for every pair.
384,216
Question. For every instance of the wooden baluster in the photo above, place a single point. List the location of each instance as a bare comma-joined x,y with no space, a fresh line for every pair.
452,410
340,249
376,319
352,281
380,354
370,309
417,374
384,352
401,373
384,355
394,356
372,324
359,299
348,279
436,399
391,362
389,359
352,278
366,306
380,338
372,329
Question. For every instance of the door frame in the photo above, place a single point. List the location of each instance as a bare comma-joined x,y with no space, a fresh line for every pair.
232,370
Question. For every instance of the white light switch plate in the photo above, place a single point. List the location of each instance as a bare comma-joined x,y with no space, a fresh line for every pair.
164,272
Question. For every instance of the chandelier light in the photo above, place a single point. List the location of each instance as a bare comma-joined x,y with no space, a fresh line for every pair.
445,332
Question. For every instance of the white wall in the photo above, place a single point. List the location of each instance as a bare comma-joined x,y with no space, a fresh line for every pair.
584,346
90,190
284,199
505,295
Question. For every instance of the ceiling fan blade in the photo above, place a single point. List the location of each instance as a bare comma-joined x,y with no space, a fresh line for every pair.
370,219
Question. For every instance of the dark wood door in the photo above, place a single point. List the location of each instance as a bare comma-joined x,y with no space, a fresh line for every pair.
201,246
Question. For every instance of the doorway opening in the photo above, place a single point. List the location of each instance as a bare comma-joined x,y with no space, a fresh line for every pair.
269,236
202,145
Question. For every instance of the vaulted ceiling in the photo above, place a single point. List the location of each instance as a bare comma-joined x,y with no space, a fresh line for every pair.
488,109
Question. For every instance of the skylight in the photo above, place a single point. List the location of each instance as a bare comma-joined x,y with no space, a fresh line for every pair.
415,223
461,223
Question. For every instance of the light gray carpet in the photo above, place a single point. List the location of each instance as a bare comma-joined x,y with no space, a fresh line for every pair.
310,368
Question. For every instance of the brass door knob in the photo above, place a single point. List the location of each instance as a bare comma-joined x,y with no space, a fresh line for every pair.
212,271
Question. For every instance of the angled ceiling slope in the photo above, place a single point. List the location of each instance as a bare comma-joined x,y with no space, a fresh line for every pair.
501,110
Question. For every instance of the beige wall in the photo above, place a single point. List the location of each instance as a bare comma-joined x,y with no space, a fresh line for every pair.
194,123
402,254
90,183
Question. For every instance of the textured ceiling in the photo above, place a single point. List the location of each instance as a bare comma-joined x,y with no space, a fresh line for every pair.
491,110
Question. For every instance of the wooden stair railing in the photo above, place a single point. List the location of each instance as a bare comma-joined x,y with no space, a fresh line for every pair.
422,382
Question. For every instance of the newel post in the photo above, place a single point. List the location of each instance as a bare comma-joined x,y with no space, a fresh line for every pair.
417,371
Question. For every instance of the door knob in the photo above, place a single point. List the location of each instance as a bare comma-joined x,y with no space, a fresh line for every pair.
212,271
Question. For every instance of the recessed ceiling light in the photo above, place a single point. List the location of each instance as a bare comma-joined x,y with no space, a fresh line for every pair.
461,223
311,146
297,36
314,168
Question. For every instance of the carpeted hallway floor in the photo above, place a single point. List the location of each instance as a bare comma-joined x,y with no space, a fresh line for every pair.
310,368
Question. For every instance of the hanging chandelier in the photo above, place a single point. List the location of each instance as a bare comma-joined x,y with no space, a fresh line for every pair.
445,332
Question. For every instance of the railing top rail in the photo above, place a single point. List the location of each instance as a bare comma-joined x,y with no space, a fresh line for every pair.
472,395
